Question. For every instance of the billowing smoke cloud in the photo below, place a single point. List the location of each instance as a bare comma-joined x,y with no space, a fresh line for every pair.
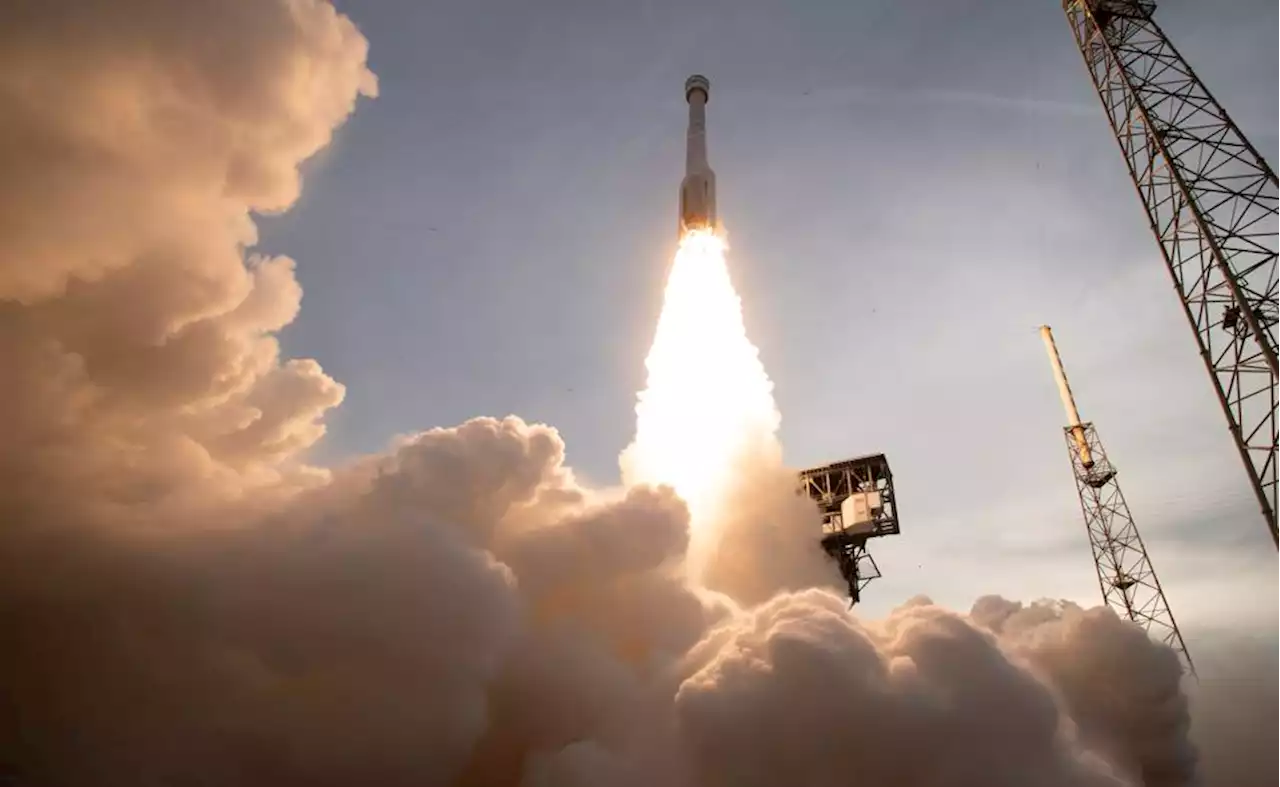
1124,692
758,554
357,638
184,601
1235,709
141,376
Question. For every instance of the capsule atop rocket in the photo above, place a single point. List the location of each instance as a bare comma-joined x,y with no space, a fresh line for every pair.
698,189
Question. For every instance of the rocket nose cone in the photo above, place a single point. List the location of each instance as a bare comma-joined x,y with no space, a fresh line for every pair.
697,82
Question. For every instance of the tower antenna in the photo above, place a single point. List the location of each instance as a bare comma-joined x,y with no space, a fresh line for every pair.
1125,575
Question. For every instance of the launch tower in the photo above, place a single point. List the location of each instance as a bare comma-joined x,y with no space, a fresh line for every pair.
1211,201
857,502
1125,575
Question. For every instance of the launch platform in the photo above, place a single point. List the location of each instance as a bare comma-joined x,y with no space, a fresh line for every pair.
858,503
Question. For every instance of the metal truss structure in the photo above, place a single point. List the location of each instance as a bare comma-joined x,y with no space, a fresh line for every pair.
1211,202
857,501
1125,575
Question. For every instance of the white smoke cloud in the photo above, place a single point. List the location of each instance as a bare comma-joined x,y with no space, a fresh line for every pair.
1123,691
140,368
801,692
185,601
767,537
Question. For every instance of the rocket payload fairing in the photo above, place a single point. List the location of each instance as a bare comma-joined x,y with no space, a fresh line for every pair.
698,189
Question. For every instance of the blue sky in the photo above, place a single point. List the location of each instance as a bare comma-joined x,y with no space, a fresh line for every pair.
910,187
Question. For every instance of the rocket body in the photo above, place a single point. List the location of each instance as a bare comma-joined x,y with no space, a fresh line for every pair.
698,189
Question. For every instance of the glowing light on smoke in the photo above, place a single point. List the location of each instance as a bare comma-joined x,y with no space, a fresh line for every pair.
708,400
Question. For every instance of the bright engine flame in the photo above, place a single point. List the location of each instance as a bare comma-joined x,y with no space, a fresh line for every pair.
708,401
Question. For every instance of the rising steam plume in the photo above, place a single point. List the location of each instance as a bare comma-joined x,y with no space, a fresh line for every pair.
185,601
708,403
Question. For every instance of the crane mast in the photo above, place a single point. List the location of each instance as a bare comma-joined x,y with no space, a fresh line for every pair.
1211,202
1125,575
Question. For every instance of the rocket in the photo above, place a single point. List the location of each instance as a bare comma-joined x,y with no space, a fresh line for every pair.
698,189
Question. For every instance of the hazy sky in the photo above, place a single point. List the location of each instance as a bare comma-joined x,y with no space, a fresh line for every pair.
910,187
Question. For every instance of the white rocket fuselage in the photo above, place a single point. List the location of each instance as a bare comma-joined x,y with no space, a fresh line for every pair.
698,189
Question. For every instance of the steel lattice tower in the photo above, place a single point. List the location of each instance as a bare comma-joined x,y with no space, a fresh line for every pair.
1125,576
1211,202
858,503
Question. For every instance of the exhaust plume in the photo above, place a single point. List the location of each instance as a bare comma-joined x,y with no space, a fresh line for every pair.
708,404
186,601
